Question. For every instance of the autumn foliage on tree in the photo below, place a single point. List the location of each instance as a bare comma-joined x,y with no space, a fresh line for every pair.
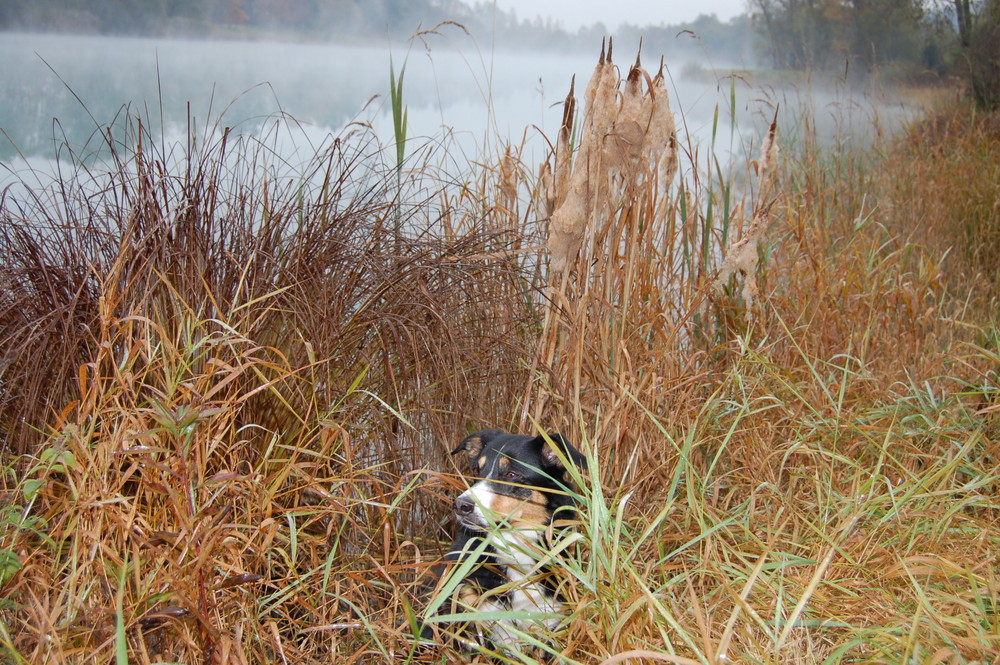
955,37
981,48
321,18
806,34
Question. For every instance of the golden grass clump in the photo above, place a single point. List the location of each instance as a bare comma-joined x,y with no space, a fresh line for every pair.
196,398
960,146
779,441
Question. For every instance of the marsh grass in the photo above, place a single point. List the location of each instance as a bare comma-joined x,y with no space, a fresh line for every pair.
962,147
228,393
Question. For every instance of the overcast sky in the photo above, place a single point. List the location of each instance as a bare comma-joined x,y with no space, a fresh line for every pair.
576,13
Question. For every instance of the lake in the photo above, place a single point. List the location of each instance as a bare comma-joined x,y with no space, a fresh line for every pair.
57,90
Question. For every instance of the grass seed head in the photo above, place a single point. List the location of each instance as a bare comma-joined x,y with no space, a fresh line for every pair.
563,147
660,143
509,181
568,226
743,256
769,150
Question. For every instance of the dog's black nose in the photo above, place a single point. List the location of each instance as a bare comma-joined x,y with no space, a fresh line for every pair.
464,506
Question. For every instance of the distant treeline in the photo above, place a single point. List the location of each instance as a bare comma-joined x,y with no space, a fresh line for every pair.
825,34
346,20
905,37
310,18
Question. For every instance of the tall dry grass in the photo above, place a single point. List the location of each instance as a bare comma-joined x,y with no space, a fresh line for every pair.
221,355
960,148
228,394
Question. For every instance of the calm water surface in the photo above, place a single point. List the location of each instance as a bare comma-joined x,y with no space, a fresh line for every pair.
57,91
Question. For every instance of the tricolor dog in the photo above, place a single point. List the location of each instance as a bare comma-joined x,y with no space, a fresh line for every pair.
520,490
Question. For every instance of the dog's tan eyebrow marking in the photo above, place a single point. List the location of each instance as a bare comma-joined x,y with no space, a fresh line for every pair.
503,463
482,461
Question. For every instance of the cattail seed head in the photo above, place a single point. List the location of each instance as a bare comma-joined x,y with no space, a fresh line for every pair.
769,149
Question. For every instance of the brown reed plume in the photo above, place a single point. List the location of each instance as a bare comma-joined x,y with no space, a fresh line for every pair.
630,260
743,256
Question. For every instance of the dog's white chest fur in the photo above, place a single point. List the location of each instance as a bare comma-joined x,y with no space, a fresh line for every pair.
523,595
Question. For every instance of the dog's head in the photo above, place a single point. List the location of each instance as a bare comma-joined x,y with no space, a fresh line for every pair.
520,480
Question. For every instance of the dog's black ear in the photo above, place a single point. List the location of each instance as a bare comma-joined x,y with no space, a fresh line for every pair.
550,459
473,445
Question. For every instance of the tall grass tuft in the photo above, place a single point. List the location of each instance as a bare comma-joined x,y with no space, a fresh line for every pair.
219,379
632,323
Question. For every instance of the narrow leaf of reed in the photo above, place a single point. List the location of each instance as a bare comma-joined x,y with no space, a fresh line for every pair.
121,639
455,577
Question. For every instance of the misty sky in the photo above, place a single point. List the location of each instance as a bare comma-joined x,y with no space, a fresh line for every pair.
576,13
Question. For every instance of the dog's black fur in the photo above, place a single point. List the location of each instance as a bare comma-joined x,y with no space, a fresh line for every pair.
520,487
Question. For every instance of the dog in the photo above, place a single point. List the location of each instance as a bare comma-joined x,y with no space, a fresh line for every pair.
518,497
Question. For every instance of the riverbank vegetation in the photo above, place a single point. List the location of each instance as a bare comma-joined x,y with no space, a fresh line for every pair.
227,393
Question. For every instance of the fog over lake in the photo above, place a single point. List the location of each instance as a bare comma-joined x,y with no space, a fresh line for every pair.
61,88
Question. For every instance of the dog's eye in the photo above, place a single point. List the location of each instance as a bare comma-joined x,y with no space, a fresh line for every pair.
512,475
